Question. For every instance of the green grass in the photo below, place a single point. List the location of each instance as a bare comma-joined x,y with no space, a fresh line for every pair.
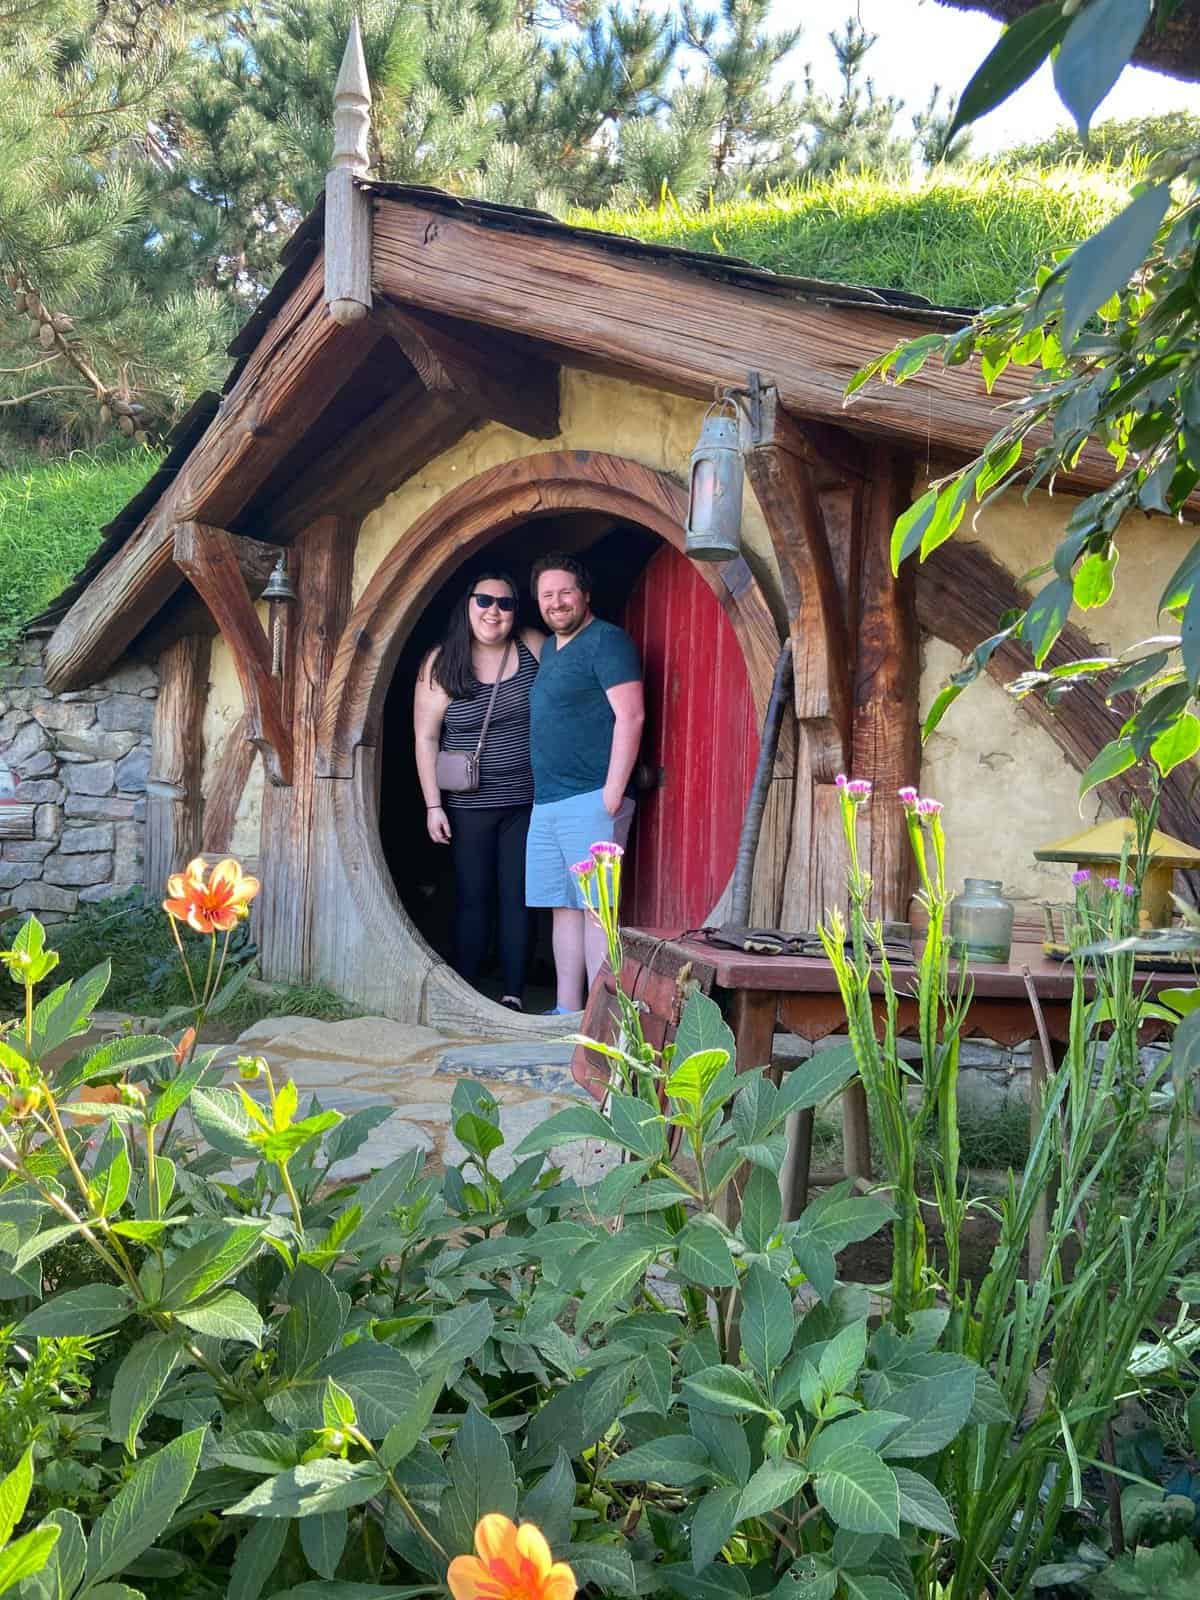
147,978
50,519
961,239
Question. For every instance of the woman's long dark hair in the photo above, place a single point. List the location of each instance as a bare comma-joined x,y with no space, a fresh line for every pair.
452,667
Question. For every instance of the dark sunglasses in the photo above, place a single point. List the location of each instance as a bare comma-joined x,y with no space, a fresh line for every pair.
503,602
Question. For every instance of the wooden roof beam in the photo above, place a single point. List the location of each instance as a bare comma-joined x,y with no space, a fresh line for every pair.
367,463
485,372
301,363
673,328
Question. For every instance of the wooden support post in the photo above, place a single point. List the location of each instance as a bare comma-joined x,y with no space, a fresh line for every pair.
208,558
173,798
321,566
887,733
790,473
830,507
225,791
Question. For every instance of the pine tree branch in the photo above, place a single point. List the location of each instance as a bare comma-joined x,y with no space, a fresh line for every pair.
36,394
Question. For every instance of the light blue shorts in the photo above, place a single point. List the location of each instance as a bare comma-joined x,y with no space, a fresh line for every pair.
560,834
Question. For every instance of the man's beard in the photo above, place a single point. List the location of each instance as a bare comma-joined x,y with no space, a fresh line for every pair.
566,627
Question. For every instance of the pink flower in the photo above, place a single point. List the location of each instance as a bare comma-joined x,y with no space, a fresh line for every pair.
929,808
908,797
1112,883
583,869
606,850
859,789
1129,890
1081,876
841,780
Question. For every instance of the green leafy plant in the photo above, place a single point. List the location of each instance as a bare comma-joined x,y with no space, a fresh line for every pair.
23,1557
297,1384
1107,332
1058,1350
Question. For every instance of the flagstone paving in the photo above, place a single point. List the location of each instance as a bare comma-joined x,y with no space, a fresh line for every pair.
372,1060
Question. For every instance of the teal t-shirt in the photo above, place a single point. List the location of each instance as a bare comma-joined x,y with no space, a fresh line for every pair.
570,719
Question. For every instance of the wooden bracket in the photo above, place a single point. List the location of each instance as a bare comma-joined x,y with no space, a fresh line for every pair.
498,378
779,459
208,558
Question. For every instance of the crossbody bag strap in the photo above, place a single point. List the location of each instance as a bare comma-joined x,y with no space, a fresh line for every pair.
492,702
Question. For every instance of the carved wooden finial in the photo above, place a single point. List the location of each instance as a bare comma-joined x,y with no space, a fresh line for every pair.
347,206
352,108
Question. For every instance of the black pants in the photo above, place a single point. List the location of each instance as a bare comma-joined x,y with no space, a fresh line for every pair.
488,846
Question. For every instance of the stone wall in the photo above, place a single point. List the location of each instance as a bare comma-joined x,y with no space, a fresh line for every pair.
81,760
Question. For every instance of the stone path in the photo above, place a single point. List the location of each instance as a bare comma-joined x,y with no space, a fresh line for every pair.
367,1061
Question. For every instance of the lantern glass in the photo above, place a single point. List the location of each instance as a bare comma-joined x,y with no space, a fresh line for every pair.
704,482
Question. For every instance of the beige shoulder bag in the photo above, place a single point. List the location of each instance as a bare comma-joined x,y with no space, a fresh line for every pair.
457,771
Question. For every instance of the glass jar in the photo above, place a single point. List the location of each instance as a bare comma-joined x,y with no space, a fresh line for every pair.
981,921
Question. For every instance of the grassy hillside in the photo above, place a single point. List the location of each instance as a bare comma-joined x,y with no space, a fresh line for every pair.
50,519
966,239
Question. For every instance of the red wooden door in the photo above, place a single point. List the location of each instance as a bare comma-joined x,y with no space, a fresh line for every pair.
701,734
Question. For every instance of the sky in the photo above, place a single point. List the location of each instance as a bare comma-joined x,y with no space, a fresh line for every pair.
921,43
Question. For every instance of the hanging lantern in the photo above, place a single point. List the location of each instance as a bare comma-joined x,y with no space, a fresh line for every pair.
278,594
714,520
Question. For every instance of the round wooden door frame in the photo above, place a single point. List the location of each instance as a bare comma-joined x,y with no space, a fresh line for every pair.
406,581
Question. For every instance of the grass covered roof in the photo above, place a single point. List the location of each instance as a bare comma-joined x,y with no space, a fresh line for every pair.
967,238
964,239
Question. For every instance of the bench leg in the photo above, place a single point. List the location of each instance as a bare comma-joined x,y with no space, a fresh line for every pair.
752,1019
793,1180
856,1131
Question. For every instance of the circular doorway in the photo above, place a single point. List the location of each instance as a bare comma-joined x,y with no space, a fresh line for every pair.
382,955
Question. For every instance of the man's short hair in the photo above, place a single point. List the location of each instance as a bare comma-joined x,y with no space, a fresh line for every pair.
560,561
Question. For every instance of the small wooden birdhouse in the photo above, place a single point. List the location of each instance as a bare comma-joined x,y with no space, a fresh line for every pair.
1099,850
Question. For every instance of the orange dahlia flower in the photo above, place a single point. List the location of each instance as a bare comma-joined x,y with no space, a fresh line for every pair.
513,1563
96,1094
211,906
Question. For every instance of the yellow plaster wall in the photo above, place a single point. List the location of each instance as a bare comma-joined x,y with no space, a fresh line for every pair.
1023,535
1007,786
597,413
221,711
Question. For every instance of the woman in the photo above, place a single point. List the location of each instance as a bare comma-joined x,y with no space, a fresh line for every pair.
485,827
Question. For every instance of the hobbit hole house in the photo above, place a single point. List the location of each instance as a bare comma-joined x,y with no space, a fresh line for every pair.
433,380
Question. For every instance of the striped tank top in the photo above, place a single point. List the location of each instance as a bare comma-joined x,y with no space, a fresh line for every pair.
505,776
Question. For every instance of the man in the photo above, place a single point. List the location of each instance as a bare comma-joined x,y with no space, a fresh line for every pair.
586,716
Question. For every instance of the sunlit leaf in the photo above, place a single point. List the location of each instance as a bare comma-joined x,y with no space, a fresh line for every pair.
1096,49
1177,744
1016,56
1107,261
1116,757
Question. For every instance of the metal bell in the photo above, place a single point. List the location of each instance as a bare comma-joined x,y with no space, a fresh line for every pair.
279,585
